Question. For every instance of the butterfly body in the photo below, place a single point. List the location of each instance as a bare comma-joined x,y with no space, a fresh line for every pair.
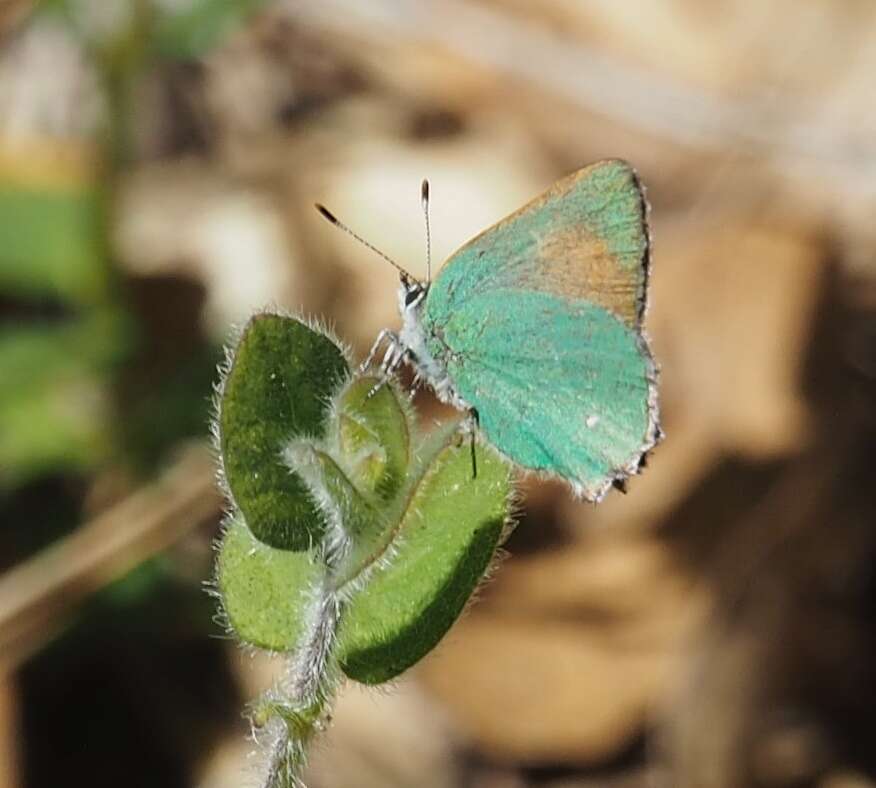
537,326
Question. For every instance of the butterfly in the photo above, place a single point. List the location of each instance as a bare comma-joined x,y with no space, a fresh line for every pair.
535,327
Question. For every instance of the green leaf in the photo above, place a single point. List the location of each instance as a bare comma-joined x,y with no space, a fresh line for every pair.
265,591
354,517
282,376
450,529
373,435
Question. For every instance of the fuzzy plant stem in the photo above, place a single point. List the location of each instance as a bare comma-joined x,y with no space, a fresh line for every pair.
296,710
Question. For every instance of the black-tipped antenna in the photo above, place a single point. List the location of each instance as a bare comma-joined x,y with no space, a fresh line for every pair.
327,214
424,199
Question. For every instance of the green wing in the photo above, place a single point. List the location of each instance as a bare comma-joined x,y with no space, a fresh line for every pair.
584,239
538,321
558,389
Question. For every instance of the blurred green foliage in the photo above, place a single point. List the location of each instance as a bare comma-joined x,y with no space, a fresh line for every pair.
67,330
51,242
60,330
199,25
84,382
54,395
177,29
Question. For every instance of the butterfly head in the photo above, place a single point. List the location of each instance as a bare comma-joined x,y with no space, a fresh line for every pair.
413,338
410,294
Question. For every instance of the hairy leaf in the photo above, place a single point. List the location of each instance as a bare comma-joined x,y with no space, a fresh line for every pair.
282,376
373,435
266,592
451,526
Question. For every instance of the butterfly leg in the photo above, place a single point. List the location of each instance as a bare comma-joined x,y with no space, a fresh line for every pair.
474,425
393,357
385,334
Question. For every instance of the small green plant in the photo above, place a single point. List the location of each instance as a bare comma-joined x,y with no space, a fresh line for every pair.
353,542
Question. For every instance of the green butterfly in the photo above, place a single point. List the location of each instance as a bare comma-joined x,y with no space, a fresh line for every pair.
536,327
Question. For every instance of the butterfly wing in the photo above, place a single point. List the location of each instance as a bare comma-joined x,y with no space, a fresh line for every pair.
538,321
558,388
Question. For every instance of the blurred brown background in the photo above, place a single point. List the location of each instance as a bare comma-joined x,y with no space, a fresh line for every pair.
158,164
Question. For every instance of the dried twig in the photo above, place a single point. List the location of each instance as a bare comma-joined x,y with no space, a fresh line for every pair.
35,595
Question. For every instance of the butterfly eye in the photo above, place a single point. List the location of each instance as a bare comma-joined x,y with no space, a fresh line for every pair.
412,295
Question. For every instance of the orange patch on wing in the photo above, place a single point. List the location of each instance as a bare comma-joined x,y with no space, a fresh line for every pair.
573,263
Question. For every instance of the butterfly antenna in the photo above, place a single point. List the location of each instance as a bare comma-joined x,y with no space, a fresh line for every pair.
327,214
424,199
